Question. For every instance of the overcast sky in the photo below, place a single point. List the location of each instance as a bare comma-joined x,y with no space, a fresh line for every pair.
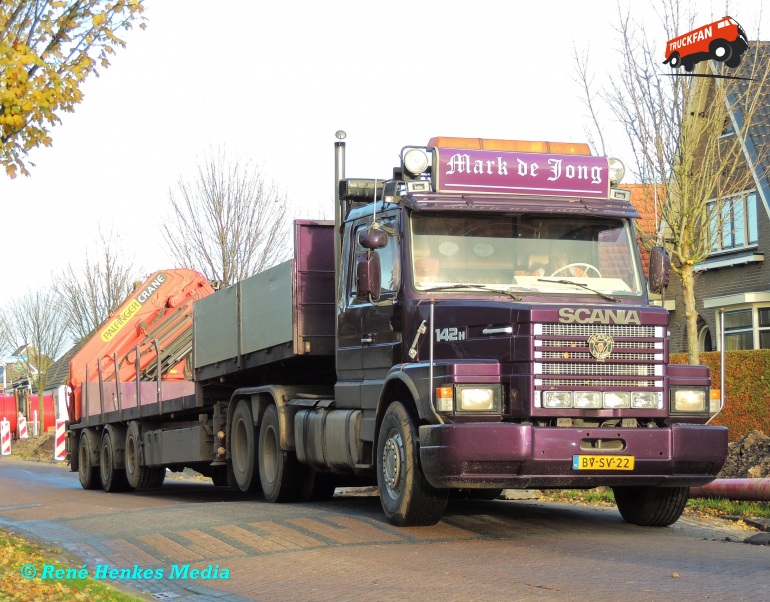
273,81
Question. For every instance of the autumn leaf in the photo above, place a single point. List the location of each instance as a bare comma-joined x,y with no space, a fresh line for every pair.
47,50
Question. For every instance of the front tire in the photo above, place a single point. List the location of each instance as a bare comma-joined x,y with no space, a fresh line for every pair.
88,473
407,498
282,476
651,506
720,50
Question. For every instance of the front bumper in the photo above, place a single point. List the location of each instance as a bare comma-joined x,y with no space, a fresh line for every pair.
520,456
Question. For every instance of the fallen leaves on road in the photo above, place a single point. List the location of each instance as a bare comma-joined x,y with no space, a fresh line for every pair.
19,557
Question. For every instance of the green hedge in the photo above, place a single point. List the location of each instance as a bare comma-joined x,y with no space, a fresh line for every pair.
747,389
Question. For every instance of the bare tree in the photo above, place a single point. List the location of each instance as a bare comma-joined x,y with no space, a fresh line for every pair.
34,323
675,125
89,293
228,222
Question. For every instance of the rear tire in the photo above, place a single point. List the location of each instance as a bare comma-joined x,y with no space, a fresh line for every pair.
137,475
243,448
282,476
407,498
651,506
88,473
113,478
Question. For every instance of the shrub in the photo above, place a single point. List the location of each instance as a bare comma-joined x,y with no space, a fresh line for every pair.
747,389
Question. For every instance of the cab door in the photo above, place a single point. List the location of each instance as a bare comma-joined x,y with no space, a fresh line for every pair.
369,332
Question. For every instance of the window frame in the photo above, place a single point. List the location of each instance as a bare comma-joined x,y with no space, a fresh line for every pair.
748,219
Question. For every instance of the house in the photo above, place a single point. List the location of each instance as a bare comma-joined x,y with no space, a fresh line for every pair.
733,282
58,375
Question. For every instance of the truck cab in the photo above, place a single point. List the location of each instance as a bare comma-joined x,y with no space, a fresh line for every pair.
495,331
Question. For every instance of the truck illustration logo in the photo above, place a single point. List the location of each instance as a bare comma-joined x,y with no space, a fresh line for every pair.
723,41
600,345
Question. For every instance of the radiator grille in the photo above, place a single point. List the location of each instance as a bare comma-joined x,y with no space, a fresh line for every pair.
563,359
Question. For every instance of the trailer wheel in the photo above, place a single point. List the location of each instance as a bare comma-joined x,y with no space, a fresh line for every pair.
243,449
406,496
281,474
88,473
138,476
113,478
651,506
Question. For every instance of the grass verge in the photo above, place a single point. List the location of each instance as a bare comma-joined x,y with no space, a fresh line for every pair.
707,506
19,556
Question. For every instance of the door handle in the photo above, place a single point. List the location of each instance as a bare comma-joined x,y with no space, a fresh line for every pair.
367,339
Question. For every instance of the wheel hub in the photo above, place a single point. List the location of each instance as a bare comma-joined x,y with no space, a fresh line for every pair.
392,461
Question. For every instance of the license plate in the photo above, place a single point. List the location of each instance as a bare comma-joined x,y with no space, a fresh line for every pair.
602,462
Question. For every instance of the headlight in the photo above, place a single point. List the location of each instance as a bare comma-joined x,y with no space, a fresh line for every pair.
616,170
477,399
415,161
588,399
469,398
557,399
615,400
689,401
645,400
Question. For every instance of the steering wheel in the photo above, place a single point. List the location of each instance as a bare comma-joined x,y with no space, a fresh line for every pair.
585,267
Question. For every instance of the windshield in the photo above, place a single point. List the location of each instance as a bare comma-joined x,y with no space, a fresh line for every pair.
525,253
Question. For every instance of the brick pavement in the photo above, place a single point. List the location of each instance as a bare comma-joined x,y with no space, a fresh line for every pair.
345,550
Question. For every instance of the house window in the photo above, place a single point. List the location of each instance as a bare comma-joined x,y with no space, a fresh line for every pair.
763,314
733,223
745,326
739,331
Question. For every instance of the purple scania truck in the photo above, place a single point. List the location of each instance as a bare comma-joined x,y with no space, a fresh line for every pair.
495,330
478,321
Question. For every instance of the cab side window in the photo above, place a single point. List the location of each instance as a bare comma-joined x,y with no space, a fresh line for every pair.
389,255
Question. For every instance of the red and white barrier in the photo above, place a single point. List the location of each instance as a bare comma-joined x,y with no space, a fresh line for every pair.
22,427
60,449
5,437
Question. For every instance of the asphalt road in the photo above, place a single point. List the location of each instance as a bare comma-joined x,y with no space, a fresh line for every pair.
345,549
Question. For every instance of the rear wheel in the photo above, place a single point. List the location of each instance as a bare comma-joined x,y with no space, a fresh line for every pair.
651,506
88,473
675,61
137,475
282,476
113,478
406,496
243,448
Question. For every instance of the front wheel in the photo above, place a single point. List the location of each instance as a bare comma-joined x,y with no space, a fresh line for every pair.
407,498
651,506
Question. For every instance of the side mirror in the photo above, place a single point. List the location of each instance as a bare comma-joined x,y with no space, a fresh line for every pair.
368,277
660,269
373,239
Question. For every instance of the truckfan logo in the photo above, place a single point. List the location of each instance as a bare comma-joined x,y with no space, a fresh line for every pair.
723,41
600,345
